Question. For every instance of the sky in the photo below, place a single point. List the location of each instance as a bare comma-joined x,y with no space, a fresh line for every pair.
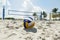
30,5
46,5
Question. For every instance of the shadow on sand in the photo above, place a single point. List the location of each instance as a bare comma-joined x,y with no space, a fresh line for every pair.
34,30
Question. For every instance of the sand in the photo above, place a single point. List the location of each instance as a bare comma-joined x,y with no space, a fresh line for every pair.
43,30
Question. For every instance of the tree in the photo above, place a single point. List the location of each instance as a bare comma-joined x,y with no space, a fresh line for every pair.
44,14
34,14
54,10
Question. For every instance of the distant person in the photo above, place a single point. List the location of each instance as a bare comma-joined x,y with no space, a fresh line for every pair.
28,23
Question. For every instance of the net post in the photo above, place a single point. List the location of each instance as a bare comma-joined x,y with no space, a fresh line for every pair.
3,14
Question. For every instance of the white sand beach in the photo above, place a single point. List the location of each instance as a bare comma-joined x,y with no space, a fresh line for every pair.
43,30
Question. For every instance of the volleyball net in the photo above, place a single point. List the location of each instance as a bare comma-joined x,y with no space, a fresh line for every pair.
20,13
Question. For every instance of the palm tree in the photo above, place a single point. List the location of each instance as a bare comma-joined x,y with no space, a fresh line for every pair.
34,14
44,14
